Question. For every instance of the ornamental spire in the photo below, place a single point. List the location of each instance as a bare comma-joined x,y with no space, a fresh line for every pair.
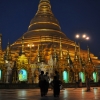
61,52
38,56
88,56
44,7
68,60
55,56
68,56
0,42
76,55
8,53
23,45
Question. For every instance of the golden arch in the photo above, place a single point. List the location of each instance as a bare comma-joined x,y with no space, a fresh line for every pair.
66,76
95,77
22,75
82,76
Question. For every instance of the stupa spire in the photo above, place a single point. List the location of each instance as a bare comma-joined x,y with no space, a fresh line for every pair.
76,55
8,53
38,56
68,56
23,45
55,56
88,56
44,7
61,52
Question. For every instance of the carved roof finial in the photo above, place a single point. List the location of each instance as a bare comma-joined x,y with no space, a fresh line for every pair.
76,55
23,45
61,52
8,53
88,55
38,56
69,61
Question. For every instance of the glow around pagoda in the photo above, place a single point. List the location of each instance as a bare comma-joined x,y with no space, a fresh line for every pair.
45,47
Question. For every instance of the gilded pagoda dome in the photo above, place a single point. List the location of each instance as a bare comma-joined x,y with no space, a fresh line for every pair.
44,30
44,22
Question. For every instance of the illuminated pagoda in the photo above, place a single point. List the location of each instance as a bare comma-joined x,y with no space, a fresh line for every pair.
45,47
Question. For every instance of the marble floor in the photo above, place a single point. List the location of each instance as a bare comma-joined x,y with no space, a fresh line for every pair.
34,94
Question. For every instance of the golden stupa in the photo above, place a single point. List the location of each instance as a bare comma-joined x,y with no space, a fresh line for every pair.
45,47
44,30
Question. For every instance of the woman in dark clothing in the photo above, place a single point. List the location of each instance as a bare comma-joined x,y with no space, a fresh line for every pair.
46,83
56,83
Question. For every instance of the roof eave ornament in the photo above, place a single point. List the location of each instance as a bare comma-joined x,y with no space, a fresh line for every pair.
76,55
89,58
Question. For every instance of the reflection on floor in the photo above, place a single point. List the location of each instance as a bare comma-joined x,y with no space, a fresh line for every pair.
34,94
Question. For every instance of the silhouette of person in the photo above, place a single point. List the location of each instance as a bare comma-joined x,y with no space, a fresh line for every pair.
46,82
58,77
56,83
57,74
42,83
76,81
80,82
88,83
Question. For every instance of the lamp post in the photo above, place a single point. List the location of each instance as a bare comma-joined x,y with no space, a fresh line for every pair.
30,46
81,37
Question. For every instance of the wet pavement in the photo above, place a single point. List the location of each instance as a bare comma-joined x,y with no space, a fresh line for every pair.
66,94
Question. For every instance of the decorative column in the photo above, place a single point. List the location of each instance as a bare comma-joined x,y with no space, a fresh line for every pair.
61,61
89,65
1,42
76,65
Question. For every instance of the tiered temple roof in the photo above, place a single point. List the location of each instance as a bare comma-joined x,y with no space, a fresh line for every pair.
45,32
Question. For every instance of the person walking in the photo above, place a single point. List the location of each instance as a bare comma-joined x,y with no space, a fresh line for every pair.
58,77
88,83
42,83
80,83
56,83
57,74
46,82
76,82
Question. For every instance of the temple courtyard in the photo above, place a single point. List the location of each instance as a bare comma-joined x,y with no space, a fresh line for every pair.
66,94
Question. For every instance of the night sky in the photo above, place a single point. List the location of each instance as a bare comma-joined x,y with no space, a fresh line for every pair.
74,16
